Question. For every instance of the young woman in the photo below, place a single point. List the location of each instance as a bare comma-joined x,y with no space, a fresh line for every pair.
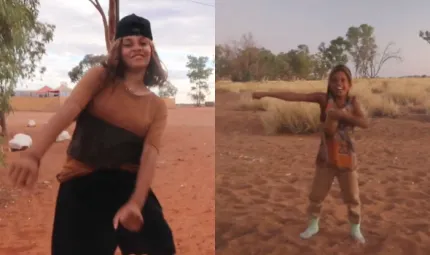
105,199
339,114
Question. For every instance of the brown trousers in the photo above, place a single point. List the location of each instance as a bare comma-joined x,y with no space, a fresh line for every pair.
348,182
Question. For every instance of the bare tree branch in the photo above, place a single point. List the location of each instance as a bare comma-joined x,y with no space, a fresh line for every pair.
99,8
386,55
112,19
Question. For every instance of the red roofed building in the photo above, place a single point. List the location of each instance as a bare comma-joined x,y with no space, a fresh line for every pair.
47,91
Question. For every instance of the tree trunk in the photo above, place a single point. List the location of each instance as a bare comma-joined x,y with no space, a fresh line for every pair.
3,124
109,23
112,19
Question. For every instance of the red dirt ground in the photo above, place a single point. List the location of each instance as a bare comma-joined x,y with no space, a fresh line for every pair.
184,183
262,183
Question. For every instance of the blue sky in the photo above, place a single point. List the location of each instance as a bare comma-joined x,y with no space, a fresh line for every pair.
280,25
179,27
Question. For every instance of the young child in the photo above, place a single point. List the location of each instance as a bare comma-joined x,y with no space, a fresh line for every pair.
336,158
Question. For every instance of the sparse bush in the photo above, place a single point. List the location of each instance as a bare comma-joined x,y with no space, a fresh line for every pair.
221,90
377,90
289,117
246,103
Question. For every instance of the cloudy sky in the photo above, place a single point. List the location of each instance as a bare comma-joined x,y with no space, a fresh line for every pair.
280,25
179,27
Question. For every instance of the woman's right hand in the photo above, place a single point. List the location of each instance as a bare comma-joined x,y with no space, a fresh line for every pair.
24,171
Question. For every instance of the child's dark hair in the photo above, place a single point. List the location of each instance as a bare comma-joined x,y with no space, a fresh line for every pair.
329,94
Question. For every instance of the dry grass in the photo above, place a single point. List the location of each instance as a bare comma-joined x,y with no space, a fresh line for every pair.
380,97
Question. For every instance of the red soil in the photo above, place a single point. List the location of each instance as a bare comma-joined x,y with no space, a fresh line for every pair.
262,184
184,183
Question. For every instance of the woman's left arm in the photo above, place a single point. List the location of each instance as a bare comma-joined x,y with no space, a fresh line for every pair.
149,155
357,117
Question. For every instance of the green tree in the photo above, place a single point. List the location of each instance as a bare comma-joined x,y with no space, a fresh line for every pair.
363,49
23,40
283,66
245,61
223,61
246,58
300,62
328,56
320,67
335,53
89,61
168,90
198,73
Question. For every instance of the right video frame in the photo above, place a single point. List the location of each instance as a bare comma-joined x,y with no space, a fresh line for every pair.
322,128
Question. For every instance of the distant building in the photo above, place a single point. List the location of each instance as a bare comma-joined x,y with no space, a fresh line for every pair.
25,93
47,92
62,91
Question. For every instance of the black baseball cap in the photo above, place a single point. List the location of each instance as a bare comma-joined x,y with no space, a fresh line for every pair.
133,25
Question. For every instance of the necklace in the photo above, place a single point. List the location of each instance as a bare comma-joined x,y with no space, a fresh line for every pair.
131,91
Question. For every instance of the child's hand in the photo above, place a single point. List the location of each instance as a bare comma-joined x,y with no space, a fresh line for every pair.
336,114
24,171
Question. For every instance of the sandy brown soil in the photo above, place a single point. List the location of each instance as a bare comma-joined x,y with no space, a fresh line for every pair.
184,183
262,183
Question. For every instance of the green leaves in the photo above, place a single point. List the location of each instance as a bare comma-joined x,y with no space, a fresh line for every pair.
364,51
300,61
22,44
197,68
86,63
167,90
198,73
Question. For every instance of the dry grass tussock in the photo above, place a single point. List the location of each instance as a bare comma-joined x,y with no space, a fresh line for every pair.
380,97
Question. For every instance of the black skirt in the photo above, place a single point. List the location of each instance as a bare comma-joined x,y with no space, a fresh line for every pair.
84,215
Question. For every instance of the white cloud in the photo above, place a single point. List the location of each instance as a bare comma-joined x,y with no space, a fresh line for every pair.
180,28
